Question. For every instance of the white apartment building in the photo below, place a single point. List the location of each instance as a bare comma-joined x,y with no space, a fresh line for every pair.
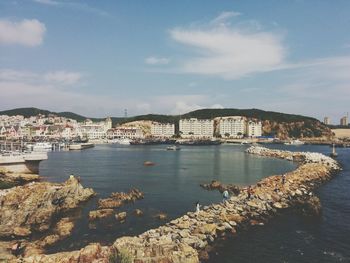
162,129
95,130
254,128
125,132
196,128
232,126
344,121
327,121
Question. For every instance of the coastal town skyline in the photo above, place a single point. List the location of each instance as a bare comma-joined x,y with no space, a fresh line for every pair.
97,59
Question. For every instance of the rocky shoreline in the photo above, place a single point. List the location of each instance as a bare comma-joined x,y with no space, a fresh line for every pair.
36,208
188,238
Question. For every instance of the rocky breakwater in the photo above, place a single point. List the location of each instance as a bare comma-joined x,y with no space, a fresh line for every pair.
188,238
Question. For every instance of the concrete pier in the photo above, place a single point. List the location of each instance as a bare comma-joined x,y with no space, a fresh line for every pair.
22,162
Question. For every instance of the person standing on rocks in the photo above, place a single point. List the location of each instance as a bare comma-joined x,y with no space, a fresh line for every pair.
225,196
198,207
283,178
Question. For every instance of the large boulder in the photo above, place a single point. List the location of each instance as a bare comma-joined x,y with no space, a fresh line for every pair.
33,207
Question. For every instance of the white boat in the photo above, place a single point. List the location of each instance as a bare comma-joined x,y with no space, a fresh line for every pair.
122,141
42,147
173,148
294,142
81,146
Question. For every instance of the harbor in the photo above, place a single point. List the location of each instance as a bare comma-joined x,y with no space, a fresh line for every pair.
106,230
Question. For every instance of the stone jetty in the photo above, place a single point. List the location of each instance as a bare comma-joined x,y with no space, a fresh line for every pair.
186,239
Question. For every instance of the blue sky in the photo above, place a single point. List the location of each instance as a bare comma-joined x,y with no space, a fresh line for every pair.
98,58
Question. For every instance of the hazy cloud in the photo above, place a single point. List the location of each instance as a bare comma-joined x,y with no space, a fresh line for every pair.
63,77
26,32
157,61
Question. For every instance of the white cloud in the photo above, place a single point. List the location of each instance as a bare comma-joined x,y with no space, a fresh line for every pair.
47,2
26,32
81,6
59,78
230,52
63,77
157,61
224,16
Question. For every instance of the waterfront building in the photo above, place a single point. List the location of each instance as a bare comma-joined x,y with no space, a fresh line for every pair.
327,121
344,121
254,128
232,126
95,131
125,133
162,129
198,128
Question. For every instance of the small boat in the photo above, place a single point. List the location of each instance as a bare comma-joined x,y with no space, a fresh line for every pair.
121,141
173,148
81,146
294,142
42,147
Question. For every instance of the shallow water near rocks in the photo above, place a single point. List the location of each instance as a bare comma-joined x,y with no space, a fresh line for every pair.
172,186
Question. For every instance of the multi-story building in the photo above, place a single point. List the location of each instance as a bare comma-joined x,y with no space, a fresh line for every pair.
199,128
344,121
162,129
125,132
327,121
95,131
254,128
232,126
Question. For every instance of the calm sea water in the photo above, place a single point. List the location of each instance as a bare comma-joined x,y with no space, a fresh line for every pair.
172,187
293,238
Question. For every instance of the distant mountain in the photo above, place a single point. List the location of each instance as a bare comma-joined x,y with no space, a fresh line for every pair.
28,112
281,124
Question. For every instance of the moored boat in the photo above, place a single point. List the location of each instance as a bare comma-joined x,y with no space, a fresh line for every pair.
41,147
294,142
173,148
81,146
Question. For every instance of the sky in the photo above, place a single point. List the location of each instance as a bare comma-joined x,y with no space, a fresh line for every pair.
98,58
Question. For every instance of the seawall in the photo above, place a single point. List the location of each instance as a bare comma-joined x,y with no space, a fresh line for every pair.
186,239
